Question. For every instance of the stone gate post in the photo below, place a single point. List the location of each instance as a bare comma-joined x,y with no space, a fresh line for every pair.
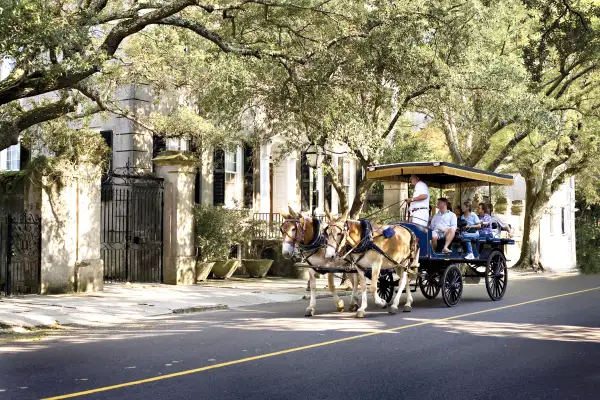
178,171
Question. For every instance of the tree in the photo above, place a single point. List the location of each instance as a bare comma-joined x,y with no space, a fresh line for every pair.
534,82
62,50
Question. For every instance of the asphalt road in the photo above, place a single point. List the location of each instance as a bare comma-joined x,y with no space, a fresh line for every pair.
530,345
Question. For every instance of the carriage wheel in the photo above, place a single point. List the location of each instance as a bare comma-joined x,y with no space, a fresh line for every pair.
430,285
496,275
385,287
452,286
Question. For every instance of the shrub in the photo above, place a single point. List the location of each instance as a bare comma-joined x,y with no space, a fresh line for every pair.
588,244
217,230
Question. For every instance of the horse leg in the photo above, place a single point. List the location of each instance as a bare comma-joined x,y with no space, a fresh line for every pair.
354,300
310,311
360,313
403,282
375,269
409,298
339,303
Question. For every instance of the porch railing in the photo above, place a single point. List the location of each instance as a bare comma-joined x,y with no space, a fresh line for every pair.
269,224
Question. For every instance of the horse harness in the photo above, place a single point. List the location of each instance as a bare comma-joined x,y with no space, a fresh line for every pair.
367,243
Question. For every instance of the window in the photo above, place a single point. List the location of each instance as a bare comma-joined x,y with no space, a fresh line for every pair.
346,173
308,192
13,158
218,178
178,144
230,162
248,176
562,221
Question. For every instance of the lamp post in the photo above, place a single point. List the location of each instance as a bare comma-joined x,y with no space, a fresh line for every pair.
313,156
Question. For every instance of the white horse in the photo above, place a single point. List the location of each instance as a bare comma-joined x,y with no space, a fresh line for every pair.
303,234
387,247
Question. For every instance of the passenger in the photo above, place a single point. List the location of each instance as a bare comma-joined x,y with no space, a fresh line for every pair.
419,203
471,232
486,221
443,225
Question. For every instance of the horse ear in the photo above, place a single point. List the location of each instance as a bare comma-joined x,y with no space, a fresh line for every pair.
292,212
284,213
344,216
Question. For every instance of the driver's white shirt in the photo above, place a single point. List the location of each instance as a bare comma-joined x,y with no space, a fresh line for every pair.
420,188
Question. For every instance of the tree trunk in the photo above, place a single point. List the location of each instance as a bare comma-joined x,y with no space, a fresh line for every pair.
360,198
535,203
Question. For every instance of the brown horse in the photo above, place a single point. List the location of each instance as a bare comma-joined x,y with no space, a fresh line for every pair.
385,247
301,234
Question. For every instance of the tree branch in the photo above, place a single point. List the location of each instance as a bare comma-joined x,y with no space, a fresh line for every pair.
506,151
402,107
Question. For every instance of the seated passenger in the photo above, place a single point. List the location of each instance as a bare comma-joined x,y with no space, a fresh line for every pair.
443,225
473,225
486,221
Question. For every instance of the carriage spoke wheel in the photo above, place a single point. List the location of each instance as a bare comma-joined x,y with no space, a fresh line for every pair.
430,285
496,275
385,287
452,286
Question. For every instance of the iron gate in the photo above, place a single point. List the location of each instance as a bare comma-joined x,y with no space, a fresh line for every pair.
132,229
20,254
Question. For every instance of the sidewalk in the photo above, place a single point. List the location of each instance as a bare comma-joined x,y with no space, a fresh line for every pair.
126,303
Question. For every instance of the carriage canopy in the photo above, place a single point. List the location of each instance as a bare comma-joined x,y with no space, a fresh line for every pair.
438,174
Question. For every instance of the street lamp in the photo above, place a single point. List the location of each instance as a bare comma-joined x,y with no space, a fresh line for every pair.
313,156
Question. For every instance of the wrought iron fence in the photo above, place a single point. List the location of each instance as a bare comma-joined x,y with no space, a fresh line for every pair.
20,254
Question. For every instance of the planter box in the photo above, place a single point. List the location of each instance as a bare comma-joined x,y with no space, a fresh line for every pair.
224,269
516,210
257,268
203,269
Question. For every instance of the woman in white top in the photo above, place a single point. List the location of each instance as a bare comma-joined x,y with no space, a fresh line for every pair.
419,203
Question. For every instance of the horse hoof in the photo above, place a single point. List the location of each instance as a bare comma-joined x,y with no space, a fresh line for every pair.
393,310
340,309
353,307
309,312
340,306
407,308
360,314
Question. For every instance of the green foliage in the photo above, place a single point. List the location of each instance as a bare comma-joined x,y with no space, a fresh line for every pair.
61,149
406,146
217,230
588,243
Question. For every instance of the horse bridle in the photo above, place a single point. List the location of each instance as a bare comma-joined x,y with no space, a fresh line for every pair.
300,227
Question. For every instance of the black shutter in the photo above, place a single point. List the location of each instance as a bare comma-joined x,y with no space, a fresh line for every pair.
248,176
198,187
25,157
305,187
159,144
219,178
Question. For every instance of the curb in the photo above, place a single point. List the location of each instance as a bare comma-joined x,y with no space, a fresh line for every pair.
197,309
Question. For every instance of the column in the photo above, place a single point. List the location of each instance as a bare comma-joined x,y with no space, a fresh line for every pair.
265,173
320,210
70,220
290,179
178,171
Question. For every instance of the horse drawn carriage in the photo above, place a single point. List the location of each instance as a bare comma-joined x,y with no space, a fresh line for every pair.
439,272
400,249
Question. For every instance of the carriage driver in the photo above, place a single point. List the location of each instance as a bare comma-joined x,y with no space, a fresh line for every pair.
419,203
443,225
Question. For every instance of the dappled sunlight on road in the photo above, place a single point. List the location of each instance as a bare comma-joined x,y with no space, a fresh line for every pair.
346,323
561,333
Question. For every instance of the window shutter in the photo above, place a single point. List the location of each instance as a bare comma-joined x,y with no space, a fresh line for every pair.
219,178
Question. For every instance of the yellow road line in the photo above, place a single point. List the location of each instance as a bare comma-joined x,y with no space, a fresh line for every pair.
311,346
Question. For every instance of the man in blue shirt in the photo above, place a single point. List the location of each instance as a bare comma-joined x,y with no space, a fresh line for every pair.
443,225
473,224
